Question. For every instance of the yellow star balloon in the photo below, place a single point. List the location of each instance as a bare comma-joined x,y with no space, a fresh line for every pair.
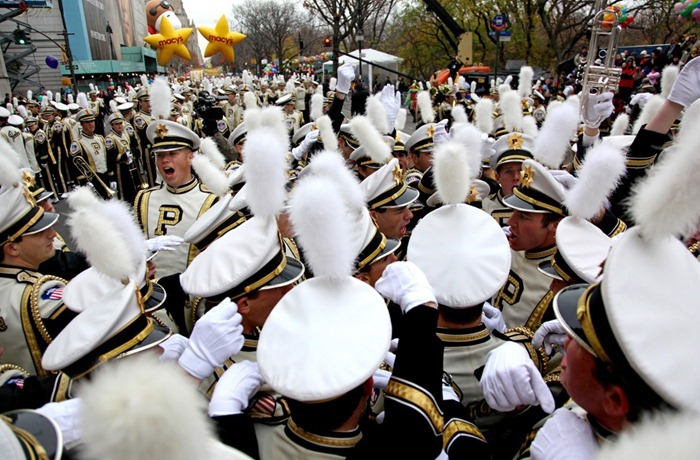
170,41
220,39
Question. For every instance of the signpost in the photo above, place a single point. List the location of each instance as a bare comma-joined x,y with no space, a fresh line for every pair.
499,24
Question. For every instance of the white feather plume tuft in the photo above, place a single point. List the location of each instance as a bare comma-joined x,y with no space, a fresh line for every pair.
273,117
206,85
503,89
266,170
321,218
92,87
472,87
22,111
512,111
554,138
471,140
525,81
668,78
326,133
530,126
160,95
665,202
400,122
508,80
289,87
620,125
425,106
15,101
451,173
459,115
71,99
102,232
599,175
83,198
49,95
371,139
212,177
10,174
113,106
144,80
209,148
250,100
9,107
253,118
316,106
30,95
319,90
332,165
44,102
332,83
377,114
123,419
83,101
57,96
483,115
652,106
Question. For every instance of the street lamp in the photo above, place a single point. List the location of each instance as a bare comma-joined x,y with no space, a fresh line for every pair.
360,38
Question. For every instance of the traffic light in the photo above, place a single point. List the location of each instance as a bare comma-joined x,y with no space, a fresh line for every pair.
21,37
327,42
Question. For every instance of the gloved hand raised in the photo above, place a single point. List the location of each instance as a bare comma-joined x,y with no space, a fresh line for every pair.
686,89
510,379
391,100
492,318
217,336
346,74
406,285
234,389
303,148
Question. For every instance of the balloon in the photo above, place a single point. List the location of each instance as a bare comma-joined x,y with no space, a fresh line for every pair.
696,14
51,61
169,42
678,7
220,39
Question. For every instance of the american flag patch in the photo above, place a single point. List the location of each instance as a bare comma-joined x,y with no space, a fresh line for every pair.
55,293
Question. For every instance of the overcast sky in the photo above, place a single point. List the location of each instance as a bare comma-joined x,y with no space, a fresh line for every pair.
206,13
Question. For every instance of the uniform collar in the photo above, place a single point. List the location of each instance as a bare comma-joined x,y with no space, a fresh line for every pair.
19,273
462,337
334,443
541,253
184,188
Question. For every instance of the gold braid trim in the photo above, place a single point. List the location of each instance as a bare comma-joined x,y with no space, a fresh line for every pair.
456,427
12,367
418,398
34,305
30,337
538,355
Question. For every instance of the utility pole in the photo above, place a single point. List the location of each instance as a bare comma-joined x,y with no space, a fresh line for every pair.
69,55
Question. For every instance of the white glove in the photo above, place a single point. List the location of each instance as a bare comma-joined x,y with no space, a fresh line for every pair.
566,179
549,334
440,135
600,107
113,185
510,379
301,150
487,146
380,379
217,336
163,243
234,389
641,99
564,436
67,415
448,393
129,157
173,347
686,89
391,100
492,318
405,284
346,74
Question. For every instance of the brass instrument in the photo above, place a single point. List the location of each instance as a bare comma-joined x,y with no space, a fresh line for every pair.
84,168
604,78
134,173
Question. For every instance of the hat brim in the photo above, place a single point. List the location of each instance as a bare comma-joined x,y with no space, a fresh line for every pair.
45,195
407,197
291,272
46,221
566,308
518,204
158,335
46,432
546,268
156,299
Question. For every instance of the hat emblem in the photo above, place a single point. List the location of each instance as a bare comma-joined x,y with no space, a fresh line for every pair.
161,130
430,131
473,194
515,141
398,174
527,177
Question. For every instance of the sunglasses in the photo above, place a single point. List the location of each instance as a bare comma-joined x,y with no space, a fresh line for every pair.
162,4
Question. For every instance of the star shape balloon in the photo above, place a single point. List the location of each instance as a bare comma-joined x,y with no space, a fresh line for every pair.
220,39
170,41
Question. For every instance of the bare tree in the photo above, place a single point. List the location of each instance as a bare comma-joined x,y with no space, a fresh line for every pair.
270,26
